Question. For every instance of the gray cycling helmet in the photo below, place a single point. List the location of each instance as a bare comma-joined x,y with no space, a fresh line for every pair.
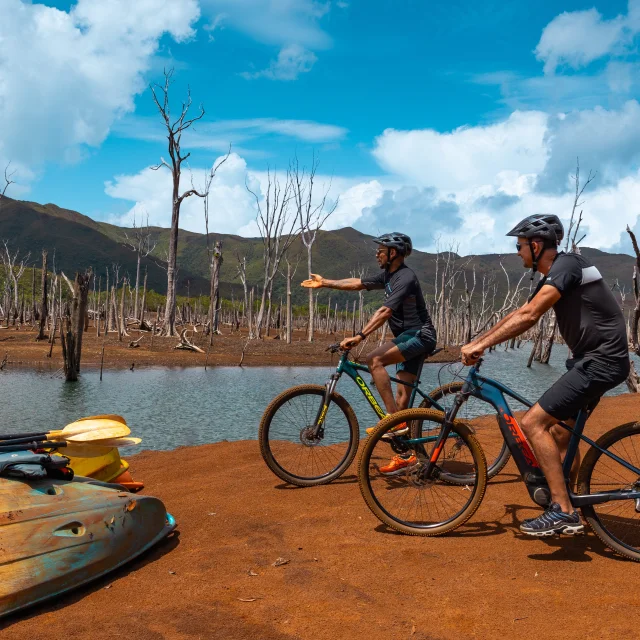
540,225
401,242
545,226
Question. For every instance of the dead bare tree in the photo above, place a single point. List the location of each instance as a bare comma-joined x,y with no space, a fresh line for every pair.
139,240
574,225
186,344
215,257
7,180
175,129
72,327
43,303
14,268
278,231
571,244
633,381
312,214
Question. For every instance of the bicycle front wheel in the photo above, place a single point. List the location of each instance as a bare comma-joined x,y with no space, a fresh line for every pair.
483,420
288,443
406,499
617,522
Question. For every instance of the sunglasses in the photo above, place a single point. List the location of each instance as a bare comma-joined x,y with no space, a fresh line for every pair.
519,246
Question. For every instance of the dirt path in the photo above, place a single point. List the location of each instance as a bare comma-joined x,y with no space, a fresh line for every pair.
22,350
346,576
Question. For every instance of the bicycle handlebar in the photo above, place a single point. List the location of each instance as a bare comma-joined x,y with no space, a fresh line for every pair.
336,348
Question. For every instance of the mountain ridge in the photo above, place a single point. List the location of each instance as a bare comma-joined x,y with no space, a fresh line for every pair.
80,242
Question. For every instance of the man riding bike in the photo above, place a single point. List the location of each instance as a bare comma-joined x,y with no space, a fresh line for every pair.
405,310
591,323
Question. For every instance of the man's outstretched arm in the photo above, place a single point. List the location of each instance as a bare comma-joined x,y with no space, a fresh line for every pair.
347,284
513,325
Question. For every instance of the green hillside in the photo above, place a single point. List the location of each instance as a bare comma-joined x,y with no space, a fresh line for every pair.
80,242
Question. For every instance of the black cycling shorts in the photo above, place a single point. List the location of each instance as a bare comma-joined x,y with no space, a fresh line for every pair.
585,382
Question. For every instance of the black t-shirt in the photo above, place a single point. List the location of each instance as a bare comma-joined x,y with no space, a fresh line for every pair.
589,318
403,295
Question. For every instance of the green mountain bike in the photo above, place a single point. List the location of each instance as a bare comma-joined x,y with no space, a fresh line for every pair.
309,434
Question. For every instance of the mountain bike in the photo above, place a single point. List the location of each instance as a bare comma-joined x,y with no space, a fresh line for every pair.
309,434
423,501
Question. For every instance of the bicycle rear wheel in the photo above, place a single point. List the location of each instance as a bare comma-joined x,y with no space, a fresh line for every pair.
616,523
410,502
287,443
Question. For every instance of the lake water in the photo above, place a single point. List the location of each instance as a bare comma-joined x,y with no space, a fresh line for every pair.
174,407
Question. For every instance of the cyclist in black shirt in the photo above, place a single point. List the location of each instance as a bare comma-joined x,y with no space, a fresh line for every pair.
405,309
591,323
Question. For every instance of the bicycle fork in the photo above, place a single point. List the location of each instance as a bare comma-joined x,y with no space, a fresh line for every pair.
329,388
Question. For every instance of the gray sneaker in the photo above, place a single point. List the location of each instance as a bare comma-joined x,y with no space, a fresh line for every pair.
553,522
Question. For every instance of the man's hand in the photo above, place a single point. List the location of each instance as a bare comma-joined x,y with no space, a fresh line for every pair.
314,282
470,353
350,343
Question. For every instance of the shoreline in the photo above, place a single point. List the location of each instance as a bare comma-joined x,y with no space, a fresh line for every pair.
23,352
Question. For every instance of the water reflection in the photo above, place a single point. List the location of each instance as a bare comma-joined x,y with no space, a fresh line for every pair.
174,407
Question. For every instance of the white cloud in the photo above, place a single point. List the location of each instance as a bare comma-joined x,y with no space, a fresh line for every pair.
575,39
468,156
291,62
607,141
275,22
65,77
231,206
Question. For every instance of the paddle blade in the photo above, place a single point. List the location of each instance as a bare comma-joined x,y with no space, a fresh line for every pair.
106,416
106,433
97,448
115,442
89,426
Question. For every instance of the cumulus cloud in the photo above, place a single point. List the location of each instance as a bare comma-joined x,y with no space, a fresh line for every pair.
575,39
420,212
605,140
81,68
466,157
290,63
231,206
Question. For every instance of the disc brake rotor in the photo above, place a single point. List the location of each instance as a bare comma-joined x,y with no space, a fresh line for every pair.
308,438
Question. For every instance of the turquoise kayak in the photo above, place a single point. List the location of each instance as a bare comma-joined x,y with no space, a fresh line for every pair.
56,535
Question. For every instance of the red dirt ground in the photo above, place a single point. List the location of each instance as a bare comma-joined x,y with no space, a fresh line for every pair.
347,576
22,350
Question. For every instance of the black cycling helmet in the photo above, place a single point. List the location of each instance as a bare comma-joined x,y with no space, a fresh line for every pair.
545,226
540,225
401,242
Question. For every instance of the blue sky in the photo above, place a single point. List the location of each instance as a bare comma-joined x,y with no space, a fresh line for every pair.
447,120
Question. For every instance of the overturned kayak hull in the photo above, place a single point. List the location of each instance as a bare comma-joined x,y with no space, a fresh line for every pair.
57,535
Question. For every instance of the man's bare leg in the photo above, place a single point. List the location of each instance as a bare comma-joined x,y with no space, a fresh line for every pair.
403,392
377,360
537,424
562,437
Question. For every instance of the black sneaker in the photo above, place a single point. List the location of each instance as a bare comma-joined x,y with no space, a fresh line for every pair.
552,522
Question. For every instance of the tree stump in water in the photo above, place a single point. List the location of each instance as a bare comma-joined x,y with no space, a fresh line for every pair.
72,327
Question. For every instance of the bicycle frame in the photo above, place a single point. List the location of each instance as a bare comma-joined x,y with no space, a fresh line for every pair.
352,369
494,392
